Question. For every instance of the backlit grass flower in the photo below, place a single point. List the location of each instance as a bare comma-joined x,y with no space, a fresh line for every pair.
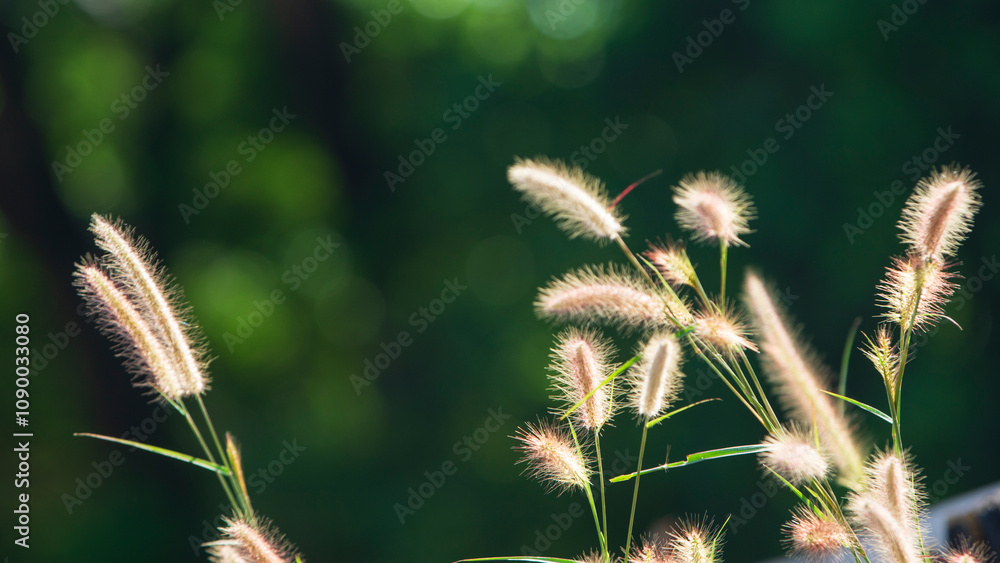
815,537
724,331
672,262
243,542
714,208
605,295
695,541
144,354
552,457
915,292
800,382
580,364
657,379
577,200
938,215
888,508
134,268
793,455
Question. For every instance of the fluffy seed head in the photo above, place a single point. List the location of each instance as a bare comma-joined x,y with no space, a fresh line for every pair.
814,537
135,341
723,330
890,537
888,508
648,551
580,364
608,295
695,542
915,284
891,481
656,379
552,457
577,200
713,207
966,552
793,455
147,287
672,261
938,215
884,355
790,366
591,557
250,543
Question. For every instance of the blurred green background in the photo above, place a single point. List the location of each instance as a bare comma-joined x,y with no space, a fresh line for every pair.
184,90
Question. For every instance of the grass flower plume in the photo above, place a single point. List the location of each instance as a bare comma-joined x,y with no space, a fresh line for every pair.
580,363
135,340
133,267
577,200
794,456
552,457
657,380
915,292
243,542
141,311
814,537
609,295
714,208
938,215
799,382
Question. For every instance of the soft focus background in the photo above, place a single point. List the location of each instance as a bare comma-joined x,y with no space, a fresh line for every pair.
243,138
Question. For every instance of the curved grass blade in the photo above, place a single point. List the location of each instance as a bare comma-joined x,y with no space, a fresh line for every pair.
846,358
197,461
868,408
698,457
658,420
613,375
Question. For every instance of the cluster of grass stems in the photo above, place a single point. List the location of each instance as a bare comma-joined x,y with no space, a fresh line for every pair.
854,501
142,311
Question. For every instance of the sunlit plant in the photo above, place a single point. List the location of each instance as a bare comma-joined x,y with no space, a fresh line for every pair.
142,312
855,501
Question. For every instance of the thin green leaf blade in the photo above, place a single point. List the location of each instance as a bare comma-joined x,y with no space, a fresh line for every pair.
607,380
868,408
196,461
697,458
656,421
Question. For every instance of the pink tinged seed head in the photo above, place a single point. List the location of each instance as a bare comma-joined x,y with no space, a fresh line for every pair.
966,552
891,538
648,551
891,482
243,541
591,557
938,215
657,379
714,208
695,542
915,285
552,457
145,356
577,201
794,455
724,331
672,262
607,295
131,261
580,364
790,366
816,538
